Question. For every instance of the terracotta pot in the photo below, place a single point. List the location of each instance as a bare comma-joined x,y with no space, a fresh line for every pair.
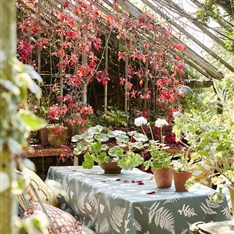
163,177
111,168
44,136
180,179
231,193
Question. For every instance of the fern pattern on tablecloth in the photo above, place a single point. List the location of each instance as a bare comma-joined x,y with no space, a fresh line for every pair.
117,204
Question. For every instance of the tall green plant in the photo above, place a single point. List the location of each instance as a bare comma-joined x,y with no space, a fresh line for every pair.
15,125
211,132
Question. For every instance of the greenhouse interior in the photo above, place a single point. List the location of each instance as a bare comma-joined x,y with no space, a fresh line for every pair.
117,117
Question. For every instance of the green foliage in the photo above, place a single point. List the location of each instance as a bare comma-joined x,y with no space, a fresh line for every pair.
15,127
184,163
211,133
189,98
210,10
159,157
99,145
112,118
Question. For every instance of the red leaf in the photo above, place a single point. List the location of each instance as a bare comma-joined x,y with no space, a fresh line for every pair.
118,179
66,4
140,183
61,52
129,85
126,181
115,3
122,81
149,26
141,83
121,56
134,55
179,47
152,192
102,76
96,43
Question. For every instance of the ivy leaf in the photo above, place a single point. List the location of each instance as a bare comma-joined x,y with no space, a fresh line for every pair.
31,120
24,79
33,74
10,86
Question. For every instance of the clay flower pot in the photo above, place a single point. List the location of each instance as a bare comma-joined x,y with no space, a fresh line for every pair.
111,168
163,177
44,136
180,179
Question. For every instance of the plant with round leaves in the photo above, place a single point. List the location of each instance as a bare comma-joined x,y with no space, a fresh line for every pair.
95,145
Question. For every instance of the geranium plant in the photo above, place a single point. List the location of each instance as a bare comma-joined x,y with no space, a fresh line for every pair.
99,144
159,157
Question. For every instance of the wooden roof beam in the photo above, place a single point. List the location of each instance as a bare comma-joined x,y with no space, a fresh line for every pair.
189,53
214,55
220,20
181,12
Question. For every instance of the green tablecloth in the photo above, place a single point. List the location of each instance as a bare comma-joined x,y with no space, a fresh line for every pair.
130,203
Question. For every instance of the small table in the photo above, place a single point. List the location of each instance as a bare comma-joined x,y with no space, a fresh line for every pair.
130,203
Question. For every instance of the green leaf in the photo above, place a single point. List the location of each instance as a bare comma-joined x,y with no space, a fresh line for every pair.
116,151
24,80
140,137
13,145
31,120
30,70
10,86
87,164
96,147
122,139
80,148
101,137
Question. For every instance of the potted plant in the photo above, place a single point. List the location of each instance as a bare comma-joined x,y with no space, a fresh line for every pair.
182,172
210,132
101,145
160,163
56,134
159,159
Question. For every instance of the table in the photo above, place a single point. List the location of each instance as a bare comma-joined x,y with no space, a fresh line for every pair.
39,151
130,203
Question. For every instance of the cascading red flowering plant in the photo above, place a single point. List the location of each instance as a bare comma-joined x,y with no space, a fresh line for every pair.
153,72
69,111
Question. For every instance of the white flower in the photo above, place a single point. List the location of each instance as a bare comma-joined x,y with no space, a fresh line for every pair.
177,114
140,121
160,122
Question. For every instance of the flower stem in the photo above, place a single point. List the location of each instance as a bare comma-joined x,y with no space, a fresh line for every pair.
143,129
